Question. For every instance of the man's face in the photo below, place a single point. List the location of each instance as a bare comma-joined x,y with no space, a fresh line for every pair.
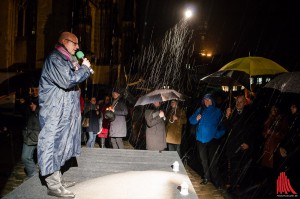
156,104
71,44
115,95
107,100
293,109
93,100
173,104
274,111
240,102
207,102
35,91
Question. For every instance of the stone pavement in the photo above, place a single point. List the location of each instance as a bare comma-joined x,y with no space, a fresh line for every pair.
203,191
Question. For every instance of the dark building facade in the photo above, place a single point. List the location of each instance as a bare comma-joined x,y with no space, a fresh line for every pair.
105,29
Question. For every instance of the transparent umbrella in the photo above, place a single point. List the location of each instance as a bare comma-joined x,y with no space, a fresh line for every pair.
286,82
160,95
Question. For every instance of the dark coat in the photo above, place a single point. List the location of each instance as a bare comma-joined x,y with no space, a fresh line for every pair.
240,128
118,127
275,129
291,144
60,115
155,131
292,139
32,128
93,119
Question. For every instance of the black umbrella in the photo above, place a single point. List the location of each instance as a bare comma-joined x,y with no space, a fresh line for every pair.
228,78
16,81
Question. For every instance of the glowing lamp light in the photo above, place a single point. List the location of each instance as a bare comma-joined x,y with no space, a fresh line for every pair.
188,13
205,53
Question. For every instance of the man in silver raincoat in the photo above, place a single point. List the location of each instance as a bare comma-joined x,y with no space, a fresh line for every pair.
60,117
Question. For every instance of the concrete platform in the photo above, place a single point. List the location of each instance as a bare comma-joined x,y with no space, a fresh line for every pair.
118,174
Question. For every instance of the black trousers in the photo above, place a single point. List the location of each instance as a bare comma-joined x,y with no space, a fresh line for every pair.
209,157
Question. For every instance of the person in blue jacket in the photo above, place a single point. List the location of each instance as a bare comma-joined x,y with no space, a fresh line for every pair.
208,131
60,115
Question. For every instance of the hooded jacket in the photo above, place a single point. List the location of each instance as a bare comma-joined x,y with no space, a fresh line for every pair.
208,126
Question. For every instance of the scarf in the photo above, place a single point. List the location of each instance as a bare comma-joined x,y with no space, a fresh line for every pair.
68,56
115,102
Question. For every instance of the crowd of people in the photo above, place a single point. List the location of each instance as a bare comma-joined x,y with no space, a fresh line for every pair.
240,149
247,146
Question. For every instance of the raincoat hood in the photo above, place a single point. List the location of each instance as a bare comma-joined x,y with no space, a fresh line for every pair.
209,96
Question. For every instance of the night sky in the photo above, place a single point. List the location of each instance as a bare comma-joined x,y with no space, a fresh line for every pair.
236,28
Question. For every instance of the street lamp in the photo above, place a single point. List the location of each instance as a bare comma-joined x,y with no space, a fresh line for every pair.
188,13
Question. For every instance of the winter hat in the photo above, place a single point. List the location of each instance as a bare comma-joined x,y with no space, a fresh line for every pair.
208,96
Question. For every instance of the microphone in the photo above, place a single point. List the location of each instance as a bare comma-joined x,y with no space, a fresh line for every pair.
79,54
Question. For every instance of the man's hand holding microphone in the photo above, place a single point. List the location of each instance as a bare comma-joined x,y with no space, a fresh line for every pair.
85,61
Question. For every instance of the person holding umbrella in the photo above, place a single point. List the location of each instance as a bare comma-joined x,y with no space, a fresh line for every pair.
155,130
241,127
176,118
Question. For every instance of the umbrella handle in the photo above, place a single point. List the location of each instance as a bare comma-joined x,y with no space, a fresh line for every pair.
230,98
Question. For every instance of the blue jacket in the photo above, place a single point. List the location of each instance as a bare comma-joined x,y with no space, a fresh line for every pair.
208,127
60,116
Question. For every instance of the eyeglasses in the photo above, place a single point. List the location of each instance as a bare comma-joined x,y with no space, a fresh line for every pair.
72,42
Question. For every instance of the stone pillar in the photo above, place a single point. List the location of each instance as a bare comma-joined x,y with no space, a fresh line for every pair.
44,10
8,32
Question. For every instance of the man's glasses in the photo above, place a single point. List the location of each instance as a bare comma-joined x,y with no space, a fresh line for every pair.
72,42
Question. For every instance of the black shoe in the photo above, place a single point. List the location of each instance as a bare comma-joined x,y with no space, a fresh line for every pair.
204,181
67,184
61,192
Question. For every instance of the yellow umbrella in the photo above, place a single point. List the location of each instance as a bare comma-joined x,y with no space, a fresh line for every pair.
255,66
